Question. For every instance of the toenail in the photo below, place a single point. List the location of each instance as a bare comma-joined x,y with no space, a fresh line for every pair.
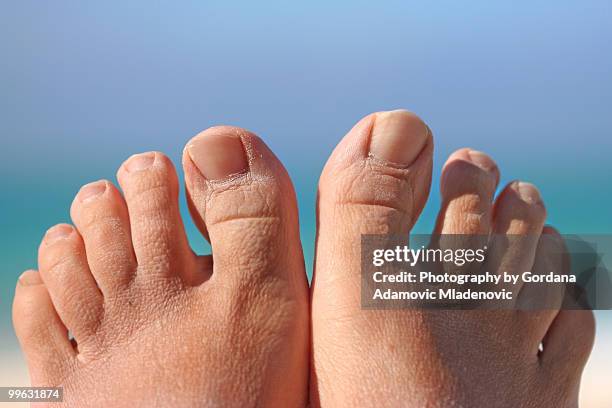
482,160
58,232
29,278
398,137
528,192
140,161
92,190
218,156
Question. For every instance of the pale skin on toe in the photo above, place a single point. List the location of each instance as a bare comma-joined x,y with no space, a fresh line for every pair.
154,324
183,330
377,181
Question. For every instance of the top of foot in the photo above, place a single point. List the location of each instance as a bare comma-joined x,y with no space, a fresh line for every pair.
377,182
154,324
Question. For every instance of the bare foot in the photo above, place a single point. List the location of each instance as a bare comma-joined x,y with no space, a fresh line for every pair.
154,324
377,181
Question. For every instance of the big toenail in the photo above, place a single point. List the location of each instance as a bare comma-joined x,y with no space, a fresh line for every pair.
528,192
58,232
29,278
140,161
482,160
398,137
92,190
218,155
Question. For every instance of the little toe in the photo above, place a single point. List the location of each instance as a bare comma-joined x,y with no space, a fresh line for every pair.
100,214
539,303
569,338
150,185
551,256
41,333
64,270
567,346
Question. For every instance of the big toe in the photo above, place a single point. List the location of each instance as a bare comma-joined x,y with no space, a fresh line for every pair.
376,181
243,202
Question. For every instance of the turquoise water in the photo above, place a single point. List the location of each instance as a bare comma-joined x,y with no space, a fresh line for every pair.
85,86
32,203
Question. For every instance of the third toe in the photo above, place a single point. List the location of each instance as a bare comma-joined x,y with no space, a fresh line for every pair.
101,216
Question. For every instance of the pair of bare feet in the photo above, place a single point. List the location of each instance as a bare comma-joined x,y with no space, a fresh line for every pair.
155,325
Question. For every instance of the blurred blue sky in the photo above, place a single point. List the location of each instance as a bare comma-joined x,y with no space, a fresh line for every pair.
86,84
